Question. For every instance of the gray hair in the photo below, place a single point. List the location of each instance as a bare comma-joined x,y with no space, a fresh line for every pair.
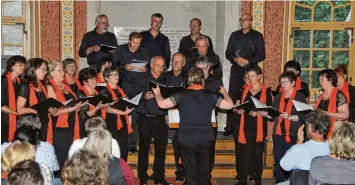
99,142
94,123
203,60
97,19
342,142
172,57
204,38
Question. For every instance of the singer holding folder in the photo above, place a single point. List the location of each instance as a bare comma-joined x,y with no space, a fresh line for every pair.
347,89
287,124
70,79
252,130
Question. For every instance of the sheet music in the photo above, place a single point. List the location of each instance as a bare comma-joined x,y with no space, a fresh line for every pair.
134,100
302,106
138,64
258,104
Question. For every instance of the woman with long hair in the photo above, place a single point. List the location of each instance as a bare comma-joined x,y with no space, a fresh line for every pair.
70,79
10,82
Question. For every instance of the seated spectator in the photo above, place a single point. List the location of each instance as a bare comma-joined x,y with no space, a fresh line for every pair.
17,152
84,168
339,166
26,172
99,143
44,151
91,125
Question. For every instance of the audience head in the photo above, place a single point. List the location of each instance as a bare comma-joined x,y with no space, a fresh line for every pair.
287,80
342,142
87,77
101,22
29,134
157,65
36,70
16,152
70,66
246,21
15,64
29,119
317,124
26,172
203,63
196,76
156,20
84,168
254,73
293,66
342,75
195,25
202,45
135,40
111,75
99,142
327,78
103,63
179,61
94,123
56,71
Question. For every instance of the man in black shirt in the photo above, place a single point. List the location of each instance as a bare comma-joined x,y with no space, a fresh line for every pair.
156,43
202,45
212,82
196,139
187,43
245,46
152,124
90,44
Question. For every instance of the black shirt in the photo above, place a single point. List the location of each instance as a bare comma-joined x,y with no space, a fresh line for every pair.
213,58
93,38
187,45
139,85
213,83
124,56
5,97
251,46
352,104
172,80
195,109
158,46
340,100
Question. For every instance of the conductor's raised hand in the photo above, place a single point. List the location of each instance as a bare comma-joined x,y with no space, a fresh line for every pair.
156,90
149,95
222,90
128,111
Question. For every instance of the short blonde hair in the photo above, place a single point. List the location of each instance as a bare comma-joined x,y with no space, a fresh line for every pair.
94,123
196,76
51,66
18,151
99,142
342,142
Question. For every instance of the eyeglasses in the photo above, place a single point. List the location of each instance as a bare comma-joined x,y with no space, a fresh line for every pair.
113,74
283,82
242,20
43,69
71,66
104,23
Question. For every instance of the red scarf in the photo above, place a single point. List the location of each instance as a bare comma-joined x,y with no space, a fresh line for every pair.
62,121
78,84
99,79
12,104
288,110
332,107
33,101
260,132
196,87
297,86
91,107
119,121
345,90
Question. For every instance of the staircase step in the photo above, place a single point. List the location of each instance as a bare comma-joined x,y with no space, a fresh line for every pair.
219,171
225,144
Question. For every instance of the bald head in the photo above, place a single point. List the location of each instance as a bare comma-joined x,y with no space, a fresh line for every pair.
157,65
246,21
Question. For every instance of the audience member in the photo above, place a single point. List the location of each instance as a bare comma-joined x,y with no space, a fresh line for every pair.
26,172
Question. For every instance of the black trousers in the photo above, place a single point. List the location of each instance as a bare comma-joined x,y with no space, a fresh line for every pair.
280,148
180,171
196,159
4,132
157,129
133,138
250,158
235,131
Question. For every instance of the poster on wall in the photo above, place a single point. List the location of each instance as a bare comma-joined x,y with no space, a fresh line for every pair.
174,35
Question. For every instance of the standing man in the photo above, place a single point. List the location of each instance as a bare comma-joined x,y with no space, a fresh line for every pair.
152,124
90,44
202,50
156,43
123,57
245,46
187,43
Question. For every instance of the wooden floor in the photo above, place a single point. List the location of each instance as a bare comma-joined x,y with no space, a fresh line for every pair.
224,169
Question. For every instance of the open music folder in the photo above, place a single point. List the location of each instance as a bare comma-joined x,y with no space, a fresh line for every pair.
166,91
302,107
260,106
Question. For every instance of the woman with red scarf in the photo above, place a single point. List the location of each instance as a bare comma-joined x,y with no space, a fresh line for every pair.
70,79
10,81
252,130
347,89
65,124
32,91
101,66
332,101
117,119
287,124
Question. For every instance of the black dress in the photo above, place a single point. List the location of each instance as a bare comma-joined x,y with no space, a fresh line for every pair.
352,104
5,102
111,121
341,100
24,92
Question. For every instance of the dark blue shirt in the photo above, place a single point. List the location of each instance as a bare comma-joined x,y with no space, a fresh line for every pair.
158,46
172,80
